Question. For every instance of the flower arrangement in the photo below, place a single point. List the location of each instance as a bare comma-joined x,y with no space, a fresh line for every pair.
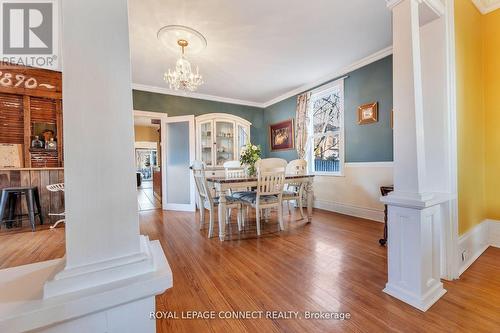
249,155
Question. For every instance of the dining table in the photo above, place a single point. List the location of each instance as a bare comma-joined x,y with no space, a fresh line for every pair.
223,186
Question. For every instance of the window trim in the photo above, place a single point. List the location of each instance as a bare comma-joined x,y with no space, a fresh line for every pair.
324,89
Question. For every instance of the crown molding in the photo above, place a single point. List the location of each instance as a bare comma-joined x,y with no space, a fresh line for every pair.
166,91
485,7
352,67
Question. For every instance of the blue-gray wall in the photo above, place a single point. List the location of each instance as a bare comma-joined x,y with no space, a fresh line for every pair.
363,143
181,106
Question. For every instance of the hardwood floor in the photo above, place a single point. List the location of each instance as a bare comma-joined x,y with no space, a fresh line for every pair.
332,264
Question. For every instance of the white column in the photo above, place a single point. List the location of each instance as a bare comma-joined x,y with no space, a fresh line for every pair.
102,229
414,213
110,275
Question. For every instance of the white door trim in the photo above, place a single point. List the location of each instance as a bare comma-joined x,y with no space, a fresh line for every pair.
162,116
192,153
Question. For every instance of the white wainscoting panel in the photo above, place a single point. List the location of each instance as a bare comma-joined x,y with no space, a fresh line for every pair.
475,241
357,193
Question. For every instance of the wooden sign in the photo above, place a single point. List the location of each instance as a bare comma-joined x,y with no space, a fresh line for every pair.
30,81
11,155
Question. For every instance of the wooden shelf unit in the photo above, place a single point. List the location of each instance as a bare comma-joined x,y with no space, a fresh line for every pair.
27,96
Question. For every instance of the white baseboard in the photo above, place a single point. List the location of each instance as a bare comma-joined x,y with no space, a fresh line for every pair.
475,241
361,212
494,232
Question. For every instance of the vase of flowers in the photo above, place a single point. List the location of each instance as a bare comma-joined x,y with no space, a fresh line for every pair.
249,155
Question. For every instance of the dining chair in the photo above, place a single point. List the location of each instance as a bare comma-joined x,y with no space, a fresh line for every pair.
210,202
234,169
295,191
270,182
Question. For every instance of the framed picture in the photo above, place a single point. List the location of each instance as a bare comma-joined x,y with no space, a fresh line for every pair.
368,113
281,135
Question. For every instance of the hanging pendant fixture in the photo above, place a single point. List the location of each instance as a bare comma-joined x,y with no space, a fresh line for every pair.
190,41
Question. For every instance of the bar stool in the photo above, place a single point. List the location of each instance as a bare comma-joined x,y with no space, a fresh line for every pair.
57,188
10,195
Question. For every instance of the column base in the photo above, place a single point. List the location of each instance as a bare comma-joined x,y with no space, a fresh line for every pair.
119,306
413,251
68,280
421,302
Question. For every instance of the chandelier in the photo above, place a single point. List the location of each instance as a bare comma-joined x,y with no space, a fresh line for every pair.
175,36
182,77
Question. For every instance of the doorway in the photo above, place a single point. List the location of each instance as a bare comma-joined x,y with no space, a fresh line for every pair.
148,159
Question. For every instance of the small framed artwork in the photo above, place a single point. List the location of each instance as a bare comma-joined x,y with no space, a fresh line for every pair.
281,135
368,113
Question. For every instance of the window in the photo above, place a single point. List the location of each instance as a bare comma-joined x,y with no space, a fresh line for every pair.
326,129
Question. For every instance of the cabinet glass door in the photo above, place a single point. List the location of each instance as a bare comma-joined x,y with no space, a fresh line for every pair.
225,141
207,143
242,138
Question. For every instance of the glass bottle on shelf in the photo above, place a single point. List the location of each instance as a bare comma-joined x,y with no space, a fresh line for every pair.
36,142
51,144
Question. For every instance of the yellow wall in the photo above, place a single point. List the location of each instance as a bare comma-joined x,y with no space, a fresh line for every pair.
478,114
491,56
145,133
470,115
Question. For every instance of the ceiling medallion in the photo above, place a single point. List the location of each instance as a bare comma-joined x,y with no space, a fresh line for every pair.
173,37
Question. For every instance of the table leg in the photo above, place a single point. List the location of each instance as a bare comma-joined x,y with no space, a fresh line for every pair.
222,215
310,195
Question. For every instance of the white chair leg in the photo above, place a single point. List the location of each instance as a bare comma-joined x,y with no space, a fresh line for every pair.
301,208
202,217
257,220
211,224
239,219
243,218
57,222
288,206
228,220
280,217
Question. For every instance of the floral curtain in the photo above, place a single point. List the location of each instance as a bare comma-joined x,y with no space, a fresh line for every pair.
301,123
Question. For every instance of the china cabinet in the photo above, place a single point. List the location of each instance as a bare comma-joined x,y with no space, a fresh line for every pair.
219,138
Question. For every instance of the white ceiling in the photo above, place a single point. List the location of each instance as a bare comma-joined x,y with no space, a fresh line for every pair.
258,50
486,6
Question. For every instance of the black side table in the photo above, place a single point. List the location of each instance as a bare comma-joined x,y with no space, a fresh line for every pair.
10,195
384,190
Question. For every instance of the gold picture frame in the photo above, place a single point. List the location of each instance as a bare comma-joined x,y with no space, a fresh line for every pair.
368,113
282,135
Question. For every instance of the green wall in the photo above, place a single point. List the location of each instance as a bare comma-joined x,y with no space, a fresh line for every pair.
363,143
181,106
